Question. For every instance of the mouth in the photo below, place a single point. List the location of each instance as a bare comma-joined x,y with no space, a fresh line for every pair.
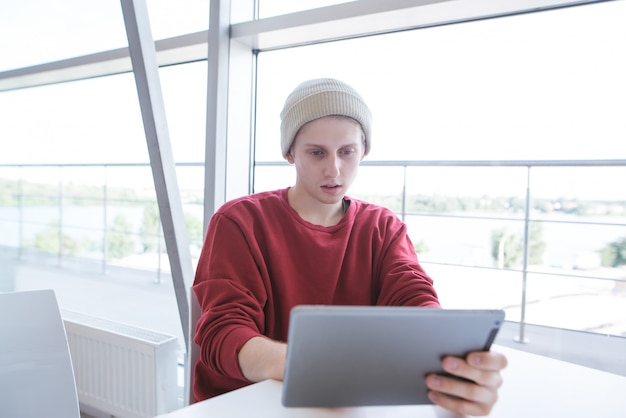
332,189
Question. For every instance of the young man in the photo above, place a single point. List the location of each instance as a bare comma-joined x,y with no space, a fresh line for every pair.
310,244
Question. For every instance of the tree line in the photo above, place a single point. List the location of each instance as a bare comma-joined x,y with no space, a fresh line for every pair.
506,248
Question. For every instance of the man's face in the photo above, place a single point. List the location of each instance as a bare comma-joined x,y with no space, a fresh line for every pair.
326,153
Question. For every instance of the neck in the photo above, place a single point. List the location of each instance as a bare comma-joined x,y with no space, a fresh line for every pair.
315,212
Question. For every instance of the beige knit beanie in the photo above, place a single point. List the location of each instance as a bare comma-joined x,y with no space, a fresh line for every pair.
315,99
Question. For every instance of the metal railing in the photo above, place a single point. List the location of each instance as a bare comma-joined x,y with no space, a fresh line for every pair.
19,196
528,165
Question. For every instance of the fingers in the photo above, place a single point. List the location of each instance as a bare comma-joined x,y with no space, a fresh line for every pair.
477,390
482,369
461,396
461,406
487,360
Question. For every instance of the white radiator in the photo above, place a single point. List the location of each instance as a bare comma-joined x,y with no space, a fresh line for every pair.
121,370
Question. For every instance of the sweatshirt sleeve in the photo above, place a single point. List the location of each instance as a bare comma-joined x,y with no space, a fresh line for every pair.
402,280
231,296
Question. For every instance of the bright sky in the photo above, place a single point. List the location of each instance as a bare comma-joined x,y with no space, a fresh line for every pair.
536,86
525,87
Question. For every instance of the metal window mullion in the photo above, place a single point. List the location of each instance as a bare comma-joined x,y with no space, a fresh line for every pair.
217,108
146,72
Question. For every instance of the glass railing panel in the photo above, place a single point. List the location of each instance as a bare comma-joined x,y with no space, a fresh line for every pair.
593,250
40,180
466,241
580,213
82,243
191,187
576,303
471,288
9,231
469,230
9,209
499,192
581,190
380,185
10,186
41,242
40,211
93,234
132,217
83,214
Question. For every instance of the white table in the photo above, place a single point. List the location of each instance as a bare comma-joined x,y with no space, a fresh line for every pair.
534,387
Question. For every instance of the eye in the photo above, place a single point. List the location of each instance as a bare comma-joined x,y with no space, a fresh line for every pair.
347,151
317,153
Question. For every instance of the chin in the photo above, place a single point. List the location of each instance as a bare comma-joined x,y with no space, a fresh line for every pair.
332,196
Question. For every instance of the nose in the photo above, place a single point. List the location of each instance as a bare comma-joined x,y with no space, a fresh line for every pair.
331,168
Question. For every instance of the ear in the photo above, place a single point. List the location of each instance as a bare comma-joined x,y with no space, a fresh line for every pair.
289,157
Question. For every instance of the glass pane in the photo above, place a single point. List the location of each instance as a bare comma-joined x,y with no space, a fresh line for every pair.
184,96
272,178
10,199
173,18
101,225
456,287
576,247
9,230
459,92
98,216
88,121
41,209
580,213
83,216
268,8
490,90
39,31
576,303
466,241
601,187
132,219
380,185
99,120
191,186
489,191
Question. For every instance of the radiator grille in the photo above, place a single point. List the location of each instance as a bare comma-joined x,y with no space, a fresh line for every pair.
122,370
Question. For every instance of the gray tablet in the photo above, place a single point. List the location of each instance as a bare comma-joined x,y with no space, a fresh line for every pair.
341,356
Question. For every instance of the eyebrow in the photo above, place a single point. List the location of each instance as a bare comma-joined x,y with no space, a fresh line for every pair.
313,145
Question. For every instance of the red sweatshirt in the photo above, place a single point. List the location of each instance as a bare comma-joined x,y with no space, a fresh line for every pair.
260,259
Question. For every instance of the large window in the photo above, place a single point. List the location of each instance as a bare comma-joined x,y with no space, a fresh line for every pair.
34,32
540,96
537,86
498,141
78,193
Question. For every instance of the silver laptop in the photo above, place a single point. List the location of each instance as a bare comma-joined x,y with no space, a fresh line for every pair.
339,356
